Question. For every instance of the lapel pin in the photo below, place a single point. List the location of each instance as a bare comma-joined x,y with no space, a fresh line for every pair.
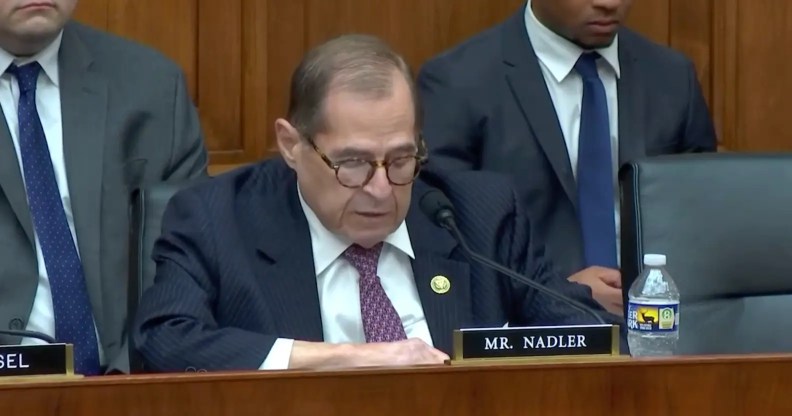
440,284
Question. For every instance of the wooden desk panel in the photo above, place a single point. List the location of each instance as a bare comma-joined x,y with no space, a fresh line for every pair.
744,385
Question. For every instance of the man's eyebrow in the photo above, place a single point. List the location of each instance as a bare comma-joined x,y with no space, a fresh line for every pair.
356,153
351,153
407,148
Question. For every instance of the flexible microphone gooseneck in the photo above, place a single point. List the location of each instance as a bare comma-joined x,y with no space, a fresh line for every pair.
29,334
439,209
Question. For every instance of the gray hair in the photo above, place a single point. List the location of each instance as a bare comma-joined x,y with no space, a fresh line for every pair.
361,64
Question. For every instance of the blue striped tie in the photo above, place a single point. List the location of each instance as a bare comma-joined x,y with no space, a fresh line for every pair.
72,307
595,169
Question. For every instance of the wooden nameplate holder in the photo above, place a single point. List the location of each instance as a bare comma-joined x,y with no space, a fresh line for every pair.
580,343
36,362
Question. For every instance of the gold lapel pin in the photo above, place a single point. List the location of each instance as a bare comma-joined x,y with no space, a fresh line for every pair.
440,284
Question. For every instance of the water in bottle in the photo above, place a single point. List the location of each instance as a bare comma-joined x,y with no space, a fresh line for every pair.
653,310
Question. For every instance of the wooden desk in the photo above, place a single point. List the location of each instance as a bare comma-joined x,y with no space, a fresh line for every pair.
744,385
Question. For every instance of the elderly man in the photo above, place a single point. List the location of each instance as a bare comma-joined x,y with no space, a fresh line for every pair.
321,258
558,97
88,117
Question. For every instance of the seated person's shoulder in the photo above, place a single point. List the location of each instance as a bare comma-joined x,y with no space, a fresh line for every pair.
660,58
224,189
110,53
486,210
467,63
475,192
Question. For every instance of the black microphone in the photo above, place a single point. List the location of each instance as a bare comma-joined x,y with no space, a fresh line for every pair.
30,334
439,209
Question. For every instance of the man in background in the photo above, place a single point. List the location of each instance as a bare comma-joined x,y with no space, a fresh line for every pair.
559,96
87,118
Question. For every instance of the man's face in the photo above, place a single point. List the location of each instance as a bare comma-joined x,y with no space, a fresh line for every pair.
26,25
590,24
361,128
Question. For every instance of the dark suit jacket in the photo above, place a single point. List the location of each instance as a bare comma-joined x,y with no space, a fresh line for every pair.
235,270
486,106
127,120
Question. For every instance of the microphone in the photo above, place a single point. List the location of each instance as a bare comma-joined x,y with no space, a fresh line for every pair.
439,209
30,334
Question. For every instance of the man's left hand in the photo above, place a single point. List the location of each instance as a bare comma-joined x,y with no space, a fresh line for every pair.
605,287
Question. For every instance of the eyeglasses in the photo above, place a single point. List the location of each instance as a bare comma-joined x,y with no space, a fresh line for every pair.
356,173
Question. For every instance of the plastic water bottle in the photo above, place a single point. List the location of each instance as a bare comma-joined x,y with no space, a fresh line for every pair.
653,310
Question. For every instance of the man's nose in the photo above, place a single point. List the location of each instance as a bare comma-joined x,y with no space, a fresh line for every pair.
610,5
379,186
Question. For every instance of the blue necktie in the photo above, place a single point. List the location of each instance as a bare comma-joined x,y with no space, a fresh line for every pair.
595,169
72,307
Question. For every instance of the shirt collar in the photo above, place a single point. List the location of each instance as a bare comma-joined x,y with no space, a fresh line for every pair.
327,246
47,58
560,55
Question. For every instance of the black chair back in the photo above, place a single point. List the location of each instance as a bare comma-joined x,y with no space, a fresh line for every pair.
725,223
147,205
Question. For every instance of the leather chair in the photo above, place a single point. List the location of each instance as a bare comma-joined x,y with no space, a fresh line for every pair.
725,223
147,205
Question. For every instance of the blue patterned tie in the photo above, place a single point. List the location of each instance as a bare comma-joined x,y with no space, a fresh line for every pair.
595,169
72,307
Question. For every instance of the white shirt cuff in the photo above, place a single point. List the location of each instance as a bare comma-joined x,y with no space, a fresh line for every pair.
279,356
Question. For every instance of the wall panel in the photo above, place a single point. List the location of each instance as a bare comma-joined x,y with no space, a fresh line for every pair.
238,55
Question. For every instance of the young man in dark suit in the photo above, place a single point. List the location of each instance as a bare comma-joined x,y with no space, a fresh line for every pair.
558,97
322,258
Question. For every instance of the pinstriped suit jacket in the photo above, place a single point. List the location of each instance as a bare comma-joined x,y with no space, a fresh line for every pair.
235,270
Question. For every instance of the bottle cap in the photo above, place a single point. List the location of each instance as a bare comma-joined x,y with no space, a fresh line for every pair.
655,260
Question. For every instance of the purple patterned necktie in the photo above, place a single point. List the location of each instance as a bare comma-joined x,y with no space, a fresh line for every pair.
381,322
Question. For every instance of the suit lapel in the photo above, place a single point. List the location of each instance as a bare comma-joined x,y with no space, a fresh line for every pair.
631,93
287,276
526,81
433,247
84,111
11,180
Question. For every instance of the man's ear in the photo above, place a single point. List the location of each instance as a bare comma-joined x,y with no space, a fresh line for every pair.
288,141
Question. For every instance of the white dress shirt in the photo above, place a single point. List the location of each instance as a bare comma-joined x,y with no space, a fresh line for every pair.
557,58
339,294
48,104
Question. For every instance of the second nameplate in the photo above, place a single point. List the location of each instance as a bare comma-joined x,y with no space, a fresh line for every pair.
36,360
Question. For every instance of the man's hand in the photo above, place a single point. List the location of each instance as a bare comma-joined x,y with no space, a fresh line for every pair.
413,351
315,355
605,287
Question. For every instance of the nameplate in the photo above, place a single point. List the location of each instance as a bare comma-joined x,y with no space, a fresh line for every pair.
36,360
536,342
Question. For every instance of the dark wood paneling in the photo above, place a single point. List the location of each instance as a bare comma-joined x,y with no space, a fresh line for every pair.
92,12
286,44
763,82
652,18
220,55
169,26
238,55
690,32
256,72
725,33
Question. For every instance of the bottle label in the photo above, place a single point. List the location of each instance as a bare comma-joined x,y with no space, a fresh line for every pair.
653,317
